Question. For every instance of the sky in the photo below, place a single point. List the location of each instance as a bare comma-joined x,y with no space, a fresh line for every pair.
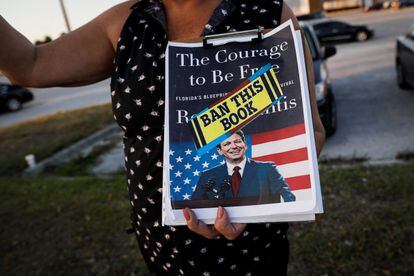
37,18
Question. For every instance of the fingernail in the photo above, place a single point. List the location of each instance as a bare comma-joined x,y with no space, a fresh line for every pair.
220,212
186,214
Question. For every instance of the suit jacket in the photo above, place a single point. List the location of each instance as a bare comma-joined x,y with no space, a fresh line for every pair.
261,182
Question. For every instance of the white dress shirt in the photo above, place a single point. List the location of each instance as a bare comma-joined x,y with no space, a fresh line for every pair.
230,167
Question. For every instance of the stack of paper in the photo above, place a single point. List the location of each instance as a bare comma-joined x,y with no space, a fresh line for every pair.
238,130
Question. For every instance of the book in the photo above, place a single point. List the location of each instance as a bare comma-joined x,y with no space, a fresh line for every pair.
238,129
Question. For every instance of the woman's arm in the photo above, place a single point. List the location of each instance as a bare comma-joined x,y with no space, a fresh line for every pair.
318,128
80,57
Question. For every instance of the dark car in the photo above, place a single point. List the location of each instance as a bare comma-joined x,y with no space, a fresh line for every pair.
12,97
405,59
330,31
401,3
376,6
324,95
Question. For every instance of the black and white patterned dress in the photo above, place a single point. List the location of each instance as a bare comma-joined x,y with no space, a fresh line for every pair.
137,90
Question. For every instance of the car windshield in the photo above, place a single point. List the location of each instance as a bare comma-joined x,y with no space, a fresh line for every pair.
311,44
411,31
337,24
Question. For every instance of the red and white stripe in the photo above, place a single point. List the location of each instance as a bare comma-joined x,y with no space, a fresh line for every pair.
287,148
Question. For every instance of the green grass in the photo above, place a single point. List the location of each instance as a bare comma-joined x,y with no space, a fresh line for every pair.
47,135
367,228
53,226
75,226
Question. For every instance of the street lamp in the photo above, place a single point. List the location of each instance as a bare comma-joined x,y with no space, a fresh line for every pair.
65,15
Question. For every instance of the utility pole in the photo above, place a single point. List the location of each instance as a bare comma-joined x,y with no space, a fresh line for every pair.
65,15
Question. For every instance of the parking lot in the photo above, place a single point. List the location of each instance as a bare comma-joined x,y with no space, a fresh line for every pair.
375,117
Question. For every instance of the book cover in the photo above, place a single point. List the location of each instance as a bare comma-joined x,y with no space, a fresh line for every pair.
238,130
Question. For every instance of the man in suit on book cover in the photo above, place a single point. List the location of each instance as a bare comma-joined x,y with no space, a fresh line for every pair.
241,177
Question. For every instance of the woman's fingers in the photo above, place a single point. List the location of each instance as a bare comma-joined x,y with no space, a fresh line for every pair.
223,225
198,226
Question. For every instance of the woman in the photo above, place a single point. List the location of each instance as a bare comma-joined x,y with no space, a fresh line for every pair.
135,34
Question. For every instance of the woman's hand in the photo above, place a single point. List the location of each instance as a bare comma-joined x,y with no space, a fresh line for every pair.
222,225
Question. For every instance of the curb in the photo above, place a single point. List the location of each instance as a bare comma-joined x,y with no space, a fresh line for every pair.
73,151
367,163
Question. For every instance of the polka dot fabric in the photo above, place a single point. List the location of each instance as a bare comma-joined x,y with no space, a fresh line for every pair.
137,90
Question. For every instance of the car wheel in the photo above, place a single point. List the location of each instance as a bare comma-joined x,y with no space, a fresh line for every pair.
402,83
13,104
332,121
361,36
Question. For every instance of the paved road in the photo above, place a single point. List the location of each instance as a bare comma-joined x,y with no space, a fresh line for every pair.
52,100
375,117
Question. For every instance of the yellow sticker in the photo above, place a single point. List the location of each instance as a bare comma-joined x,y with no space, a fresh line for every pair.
239,107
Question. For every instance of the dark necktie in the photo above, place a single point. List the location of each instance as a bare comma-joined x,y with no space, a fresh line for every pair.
235,181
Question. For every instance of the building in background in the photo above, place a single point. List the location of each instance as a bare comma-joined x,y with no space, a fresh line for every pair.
306,8
331,5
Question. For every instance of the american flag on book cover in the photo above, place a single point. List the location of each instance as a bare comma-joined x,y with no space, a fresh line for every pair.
286,147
